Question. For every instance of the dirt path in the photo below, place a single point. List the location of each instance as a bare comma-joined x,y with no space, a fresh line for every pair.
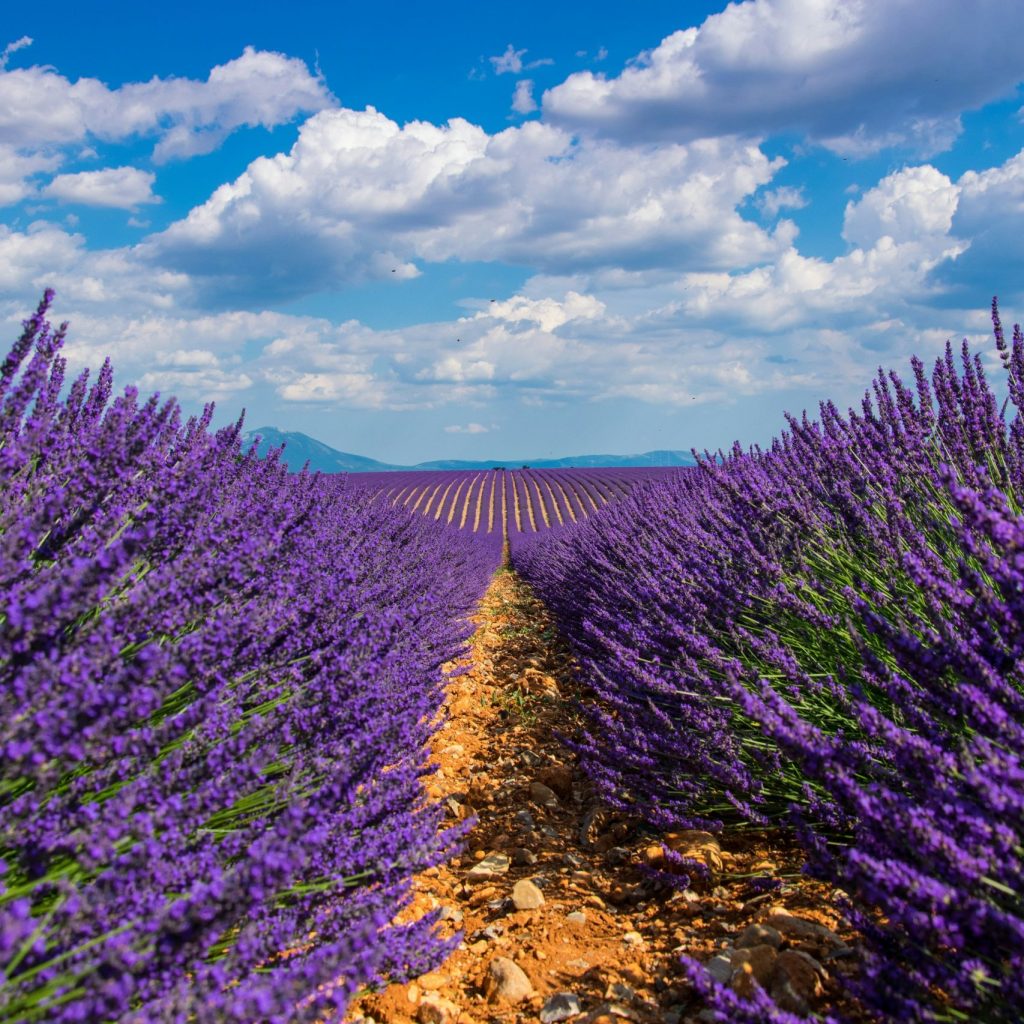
553,895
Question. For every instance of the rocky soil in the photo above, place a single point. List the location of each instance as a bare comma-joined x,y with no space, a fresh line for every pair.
560,914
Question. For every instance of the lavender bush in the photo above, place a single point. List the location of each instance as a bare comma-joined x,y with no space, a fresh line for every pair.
217,682
829,635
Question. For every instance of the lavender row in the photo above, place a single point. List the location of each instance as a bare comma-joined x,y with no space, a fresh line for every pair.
828,635
217,680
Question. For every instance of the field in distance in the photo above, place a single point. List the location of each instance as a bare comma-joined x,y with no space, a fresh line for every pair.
510,503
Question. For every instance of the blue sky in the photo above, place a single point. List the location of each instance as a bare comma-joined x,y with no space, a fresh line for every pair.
522,231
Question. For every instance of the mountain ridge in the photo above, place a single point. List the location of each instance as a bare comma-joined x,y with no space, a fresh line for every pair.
300,448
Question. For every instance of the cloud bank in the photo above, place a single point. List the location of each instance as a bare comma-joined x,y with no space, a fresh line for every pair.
852,75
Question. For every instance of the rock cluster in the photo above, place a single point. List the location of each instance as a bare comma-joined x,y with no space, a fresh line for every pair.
793,977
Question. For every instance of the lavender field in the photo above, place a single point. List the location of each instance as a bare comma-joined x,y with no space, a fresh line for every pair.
220,679
517,506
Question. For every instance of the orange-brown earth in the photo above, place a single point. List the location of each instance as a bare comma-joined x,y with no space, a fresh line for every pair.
552,895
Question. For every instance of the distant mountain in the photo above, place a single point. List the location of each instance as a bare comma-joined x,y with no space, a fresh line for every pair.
300,447
661,458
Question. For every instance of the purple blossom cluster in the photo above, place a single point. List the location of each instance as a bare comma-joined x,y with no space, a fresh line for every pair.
217,683
828,636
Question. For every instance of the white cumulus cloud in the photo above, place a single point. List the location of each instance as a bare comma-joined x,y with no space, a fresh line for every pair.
120,187
39,107
910,204
854,75
522,100
358,193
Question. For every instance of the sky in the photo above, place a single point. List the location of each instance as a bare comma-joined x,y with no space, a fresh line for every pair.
513,231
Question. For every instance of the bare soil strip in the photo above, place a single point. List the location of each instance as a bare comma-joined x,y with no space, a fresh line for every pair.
430,500
529,505
455,500
468,502
479,505
585,491
541,507
442,503
517,512
568,503
554,503
572,489
560,914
